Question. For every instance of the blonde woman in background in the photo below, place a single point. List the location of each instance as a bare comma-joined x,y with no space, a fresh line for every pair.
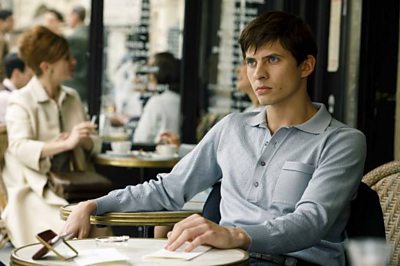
47,131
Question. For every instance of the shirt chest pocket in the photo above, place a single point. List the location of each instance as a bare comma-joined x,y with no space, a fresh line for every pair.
292,181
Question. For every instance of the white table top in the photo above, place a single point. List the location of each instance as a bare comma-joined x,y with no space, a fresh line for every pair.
135,249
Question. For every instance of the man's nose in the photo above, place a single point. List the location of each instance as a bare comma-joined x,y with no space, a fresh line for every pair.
261,72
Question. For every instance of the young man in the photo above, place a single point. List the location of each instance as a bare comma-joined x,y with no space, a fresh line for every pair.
17,76
288,173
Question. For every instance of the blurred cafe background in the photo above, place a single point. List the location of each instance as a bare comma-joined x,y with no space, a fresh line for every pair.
356,75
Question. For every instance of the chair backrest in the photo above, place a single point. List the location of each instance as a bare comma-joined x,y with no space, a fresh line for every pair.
211,205
366,217
385,180
3,148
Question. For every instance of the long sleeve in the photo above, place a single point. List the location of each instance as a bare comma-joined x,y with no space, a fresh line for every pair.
23,142
195,172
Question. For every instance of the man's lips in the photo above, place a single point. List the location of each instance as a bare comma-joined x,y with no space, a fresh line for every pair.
263,89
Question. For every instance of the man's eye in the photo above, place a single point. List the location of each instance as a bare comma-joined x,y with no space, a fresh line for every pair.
273,59
250,62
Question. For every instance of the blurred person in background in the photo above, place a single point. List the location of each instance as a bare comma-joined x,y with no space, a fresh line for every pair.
6,26
54,21
47,130
17,75
162,112
78,43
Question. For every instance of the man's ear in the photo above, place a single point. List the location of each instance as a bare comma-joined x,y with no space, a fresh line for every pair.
307,66
16,73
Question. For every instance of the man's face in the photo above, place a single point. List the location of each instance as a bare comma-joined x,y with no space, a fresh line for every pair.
274,74
73,19
7,25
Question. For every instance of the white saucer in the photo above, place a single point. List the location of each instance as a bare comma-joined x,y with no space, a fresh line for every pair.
153,156
117,154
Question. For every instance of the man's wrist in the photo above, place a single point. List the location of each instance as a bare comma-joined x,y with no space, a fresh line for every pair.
89,206
241,238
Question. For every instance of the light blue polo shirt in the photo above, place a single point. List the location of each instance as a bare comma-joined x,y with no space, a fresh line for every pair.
289,191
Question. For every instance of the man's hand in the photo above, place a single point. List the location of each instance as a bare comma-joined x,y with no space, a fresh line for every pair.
78,222
197,230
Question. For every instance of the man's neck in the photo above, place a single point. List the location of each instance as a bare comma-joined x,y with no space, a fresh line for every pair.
280,116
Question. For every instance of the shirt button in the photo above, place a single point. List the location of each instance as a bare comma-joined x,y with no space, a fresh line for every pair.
262,163
256,184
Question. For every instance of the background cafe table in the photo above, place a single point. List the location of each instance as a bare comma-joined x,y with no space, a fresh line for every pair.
140,162
134,249
135,161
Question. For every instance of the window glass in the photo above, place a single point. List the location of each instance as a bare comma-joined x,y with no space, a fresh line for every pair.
134,30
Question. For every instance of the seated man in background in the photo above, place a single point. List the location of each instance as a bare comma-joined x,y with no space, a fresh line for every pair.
288,173
17,76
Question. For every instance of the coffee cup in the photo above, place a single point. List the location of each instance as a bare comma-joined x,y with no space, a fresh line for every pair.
167,149
121,146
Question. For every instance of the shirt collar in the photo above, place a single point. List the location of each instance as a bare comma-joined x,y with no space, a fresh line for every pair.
40,94
315,125
7,83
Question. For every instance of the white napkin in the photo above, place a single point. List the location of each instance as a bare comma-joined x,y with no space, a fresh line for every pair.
178,254
100,255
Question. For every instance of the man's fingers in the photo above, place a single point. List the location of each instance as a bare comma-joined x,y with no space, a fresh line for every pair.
196,230
181,226
187,235
204,238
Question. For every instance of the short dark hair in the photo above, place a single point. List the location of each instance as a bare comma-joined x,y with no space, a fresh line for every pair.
11,62
80,11
276,26
56,13
168,70
5,14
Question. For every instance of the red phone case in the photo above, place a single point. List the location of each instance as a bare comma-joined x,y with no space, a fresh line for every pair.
46,236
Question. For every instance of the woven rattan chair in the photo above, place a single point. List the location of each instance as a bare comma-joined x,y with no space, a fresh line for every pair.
3,191
385,180
3,147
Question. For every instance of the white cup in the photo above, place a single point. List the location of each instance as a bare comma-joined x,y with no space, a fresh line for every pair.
167,149
368,252
121,146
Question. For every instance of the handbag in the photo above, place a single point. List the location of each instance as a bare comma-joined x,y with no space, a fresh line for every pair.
76,186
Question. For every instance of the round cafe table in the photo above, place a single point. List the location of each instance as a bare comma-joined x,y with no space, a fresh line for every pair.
134,249
144,219
136,218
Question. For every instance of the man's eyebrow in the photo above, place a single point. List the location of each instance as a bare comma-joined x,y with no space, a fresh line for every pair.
272,54
266,56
